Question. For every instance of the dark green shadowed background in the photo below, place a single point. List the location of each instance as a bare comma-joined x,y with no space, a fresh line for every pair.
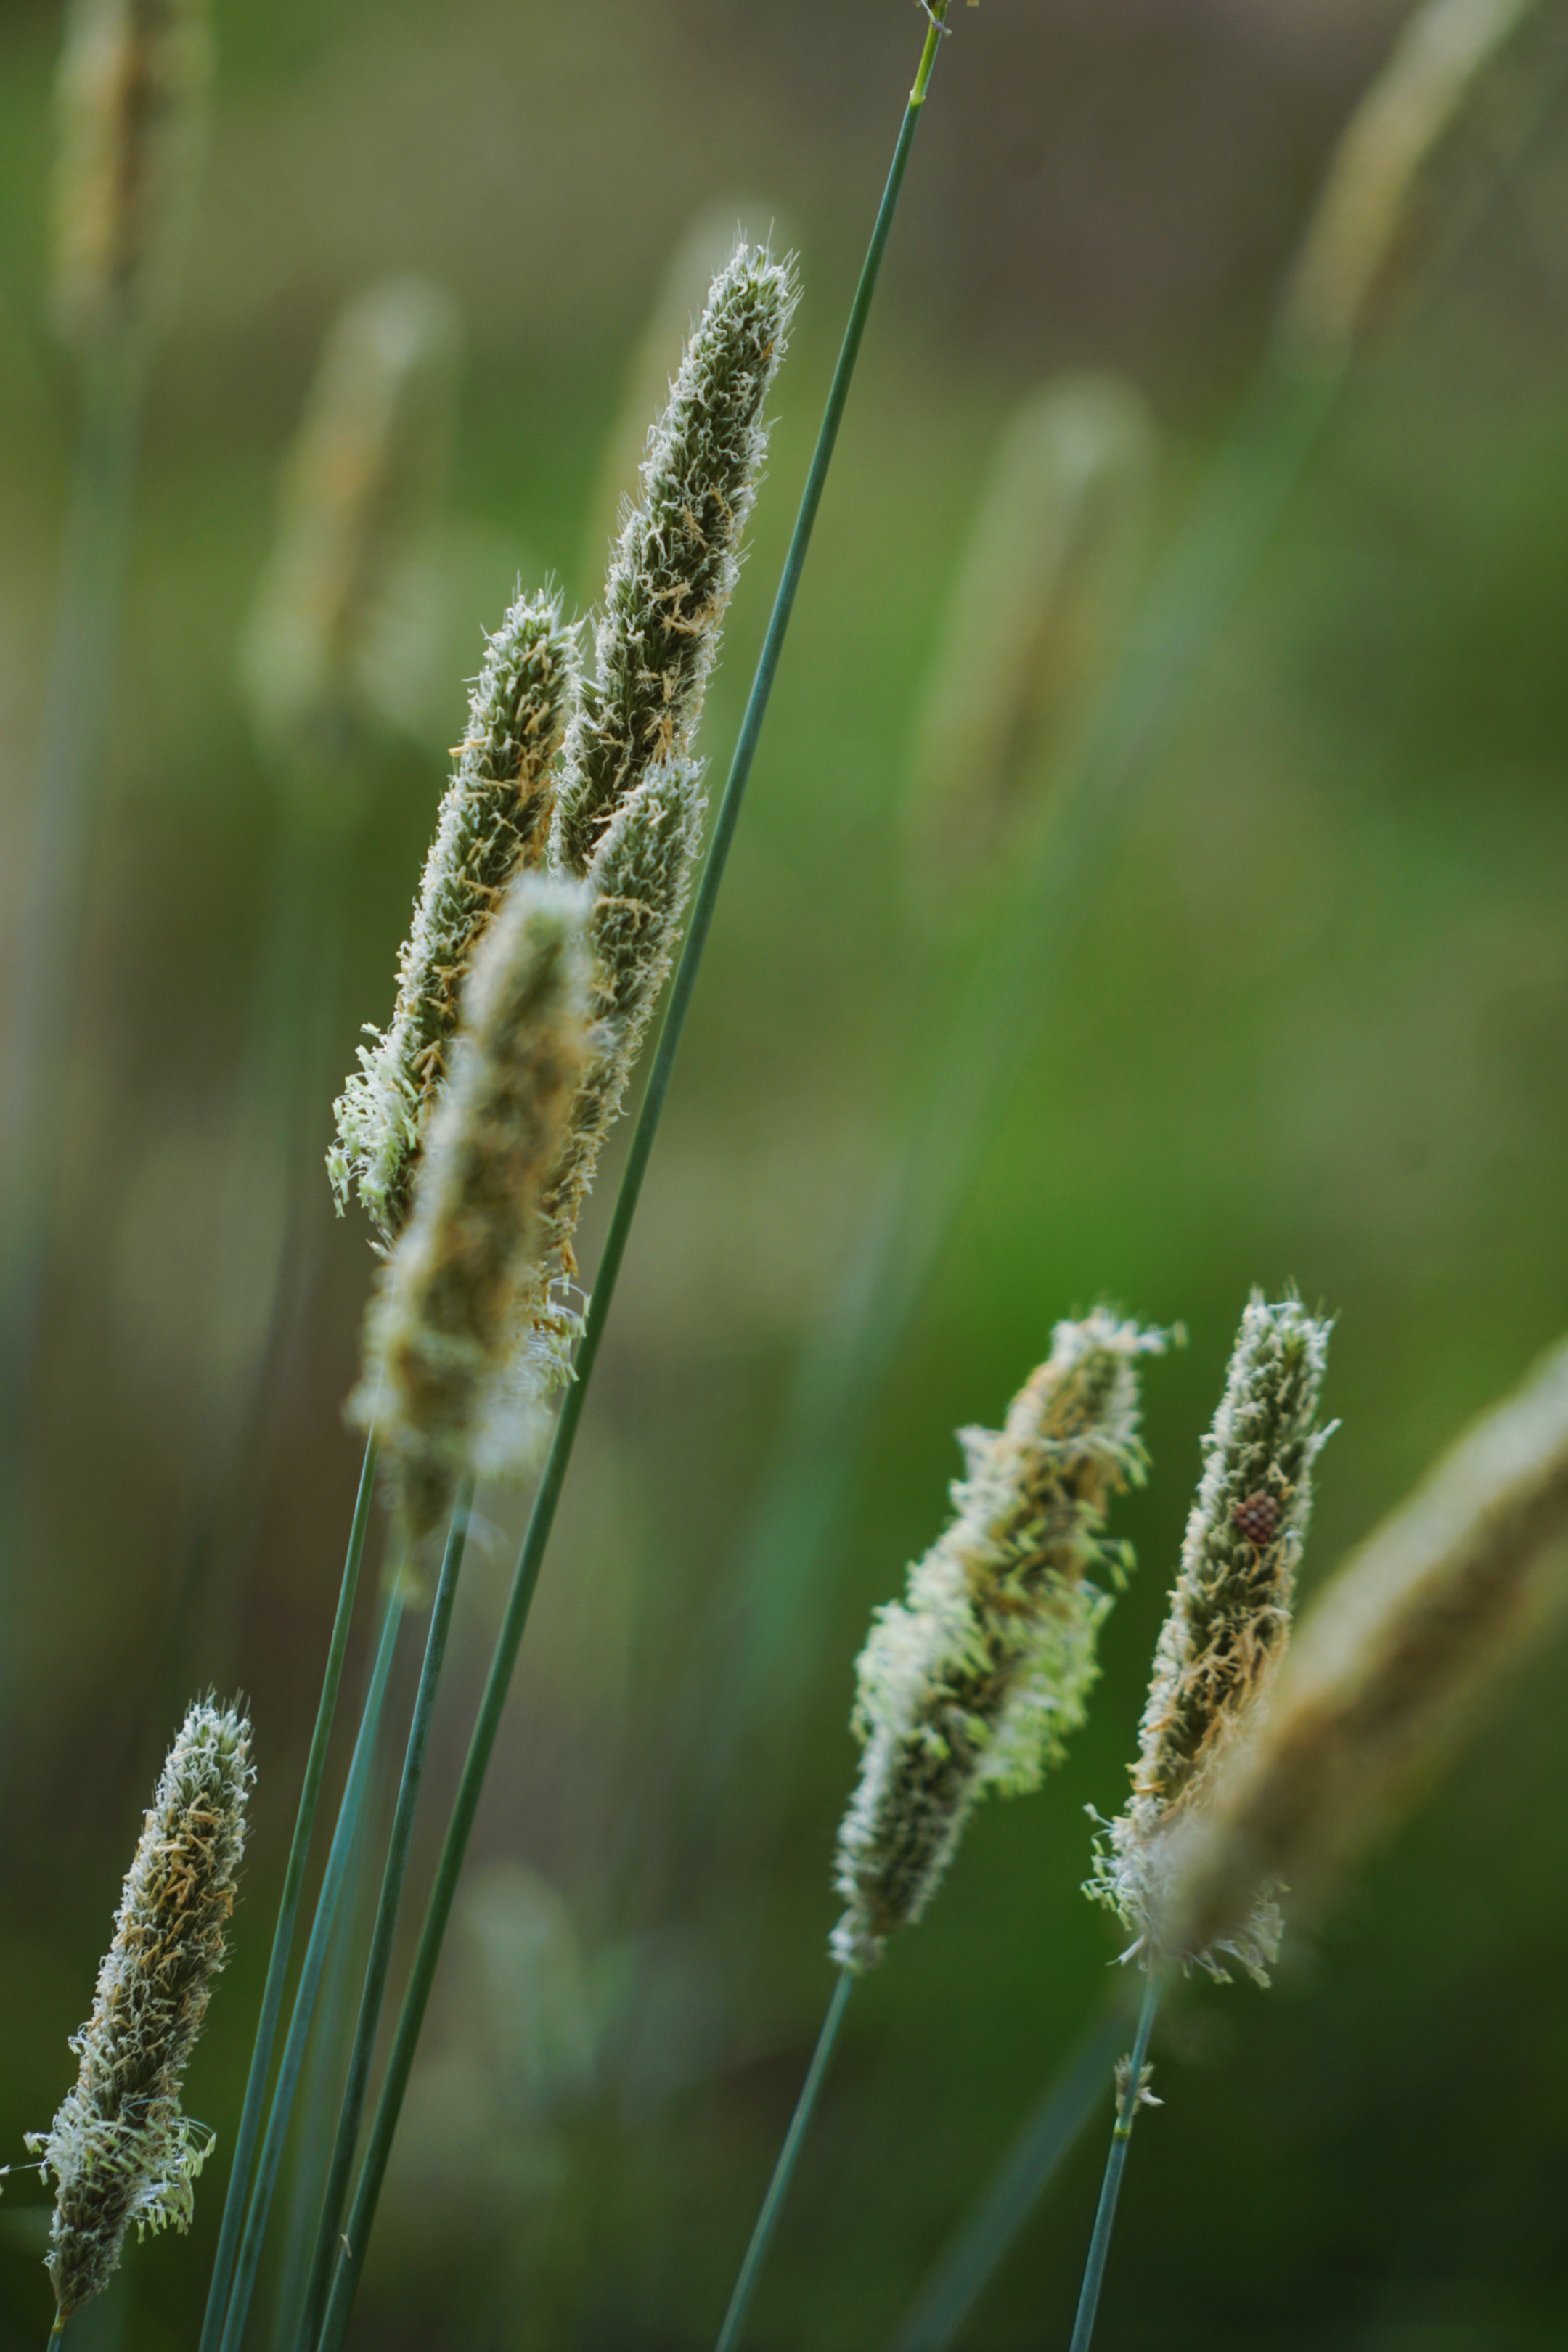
1314,1031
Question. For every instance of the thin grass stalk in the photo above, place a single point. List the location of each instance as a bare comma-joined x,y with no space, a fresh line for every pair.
784,2170
975,2251
352,2108
356,1789
525,1576
288,1913
954,1102
1129,2098
47,954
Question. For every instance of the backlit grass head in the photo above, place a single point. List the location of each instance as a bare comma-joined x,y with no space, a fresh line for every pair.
975,1681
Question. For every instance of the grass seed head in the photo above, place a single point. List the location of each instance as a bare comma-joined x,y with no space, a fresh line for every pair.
131,92
364,477
975,1682
1384,1675
442,1330
1229,1616
493,825
120,2149
1363,214
678,558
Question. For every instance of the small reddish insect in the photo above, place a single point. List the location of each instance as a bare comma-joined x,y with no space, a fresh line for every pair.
1256,1517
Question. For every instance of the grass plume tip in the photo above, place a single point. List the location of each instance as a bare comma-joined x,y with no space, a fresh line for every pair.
493,826
132,99
1229,1616
364,477
975,1682
1386,1672
442,1330
674,567
1363,214
120,2149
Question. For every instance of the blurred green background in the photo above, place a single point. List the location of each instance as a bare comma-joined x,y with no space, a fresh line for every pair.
1313,1032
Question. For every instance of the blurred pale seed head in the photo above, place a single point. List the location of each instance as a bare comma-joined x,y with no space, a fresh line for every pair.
1362,218
363,479
1383,1678
132,87
1040,594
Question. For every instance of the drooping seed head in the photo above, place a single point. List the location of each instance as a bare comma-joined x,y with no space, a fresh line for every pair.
1040,594
120,2149
441,1334
364,475
678,558
975,1681
493,826
1382,1678
1441,54
132,93
1229,1617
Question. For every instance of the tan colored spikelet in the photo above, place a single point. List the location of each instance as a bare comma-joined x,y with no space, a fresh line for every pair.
1387,1665
494,824
1229,1616
363,475
132,98
976,1682
1440,55
1040,593
441,1332
120,2149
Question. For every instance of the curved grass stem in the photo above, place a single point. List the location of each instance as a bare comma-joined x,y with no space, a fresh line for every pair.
1128,2099
784,2170
288,1915
352,2109
400,2060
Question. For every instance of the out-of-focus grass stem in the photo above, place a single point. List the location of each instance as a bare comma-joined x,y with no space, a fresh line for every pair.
47,953
1048,2135
352,2108
288,1913
1129,2098
525,1577
953,1101
784,2170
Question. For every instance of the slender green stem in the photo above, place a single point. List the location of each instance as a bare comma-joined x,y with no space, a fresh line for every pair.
1127,2103
352,2109
47,953
288,1913
969,2262
955,1097
525,1576
784,2170
56,2331
355,1788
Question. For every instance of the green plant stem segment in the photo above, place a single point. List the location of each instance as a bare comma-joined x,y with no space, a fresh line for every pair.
352,2109
57,2331
784,2170
525,1576
970,2261
288,1913
1127,2106
47,953
355,1788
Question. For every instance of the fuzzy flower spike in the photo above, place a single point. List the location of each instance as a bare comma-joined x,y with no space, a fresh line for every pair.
119,2148
1229,1615
1383,1678
441,1330
494,824
976,1680
674,566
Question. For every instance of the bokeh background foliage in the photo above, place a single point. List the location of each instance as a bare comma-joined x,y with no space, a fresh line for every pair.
1314,1031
